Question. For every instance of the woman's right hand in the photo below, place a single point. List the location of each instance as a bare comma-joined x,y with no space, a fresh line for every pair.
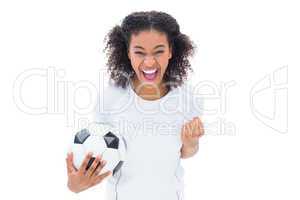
82,179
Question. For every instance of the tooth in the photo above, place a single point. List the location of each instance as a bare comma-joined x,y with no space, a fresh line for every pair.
149,71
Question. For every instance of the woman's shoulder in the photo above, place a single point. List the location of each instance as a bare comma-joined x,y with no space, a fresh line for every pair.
113,91
187,89
111,95
108,98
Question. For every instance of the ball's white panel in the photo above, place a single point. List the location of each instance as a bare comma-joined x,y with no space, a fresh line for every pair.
95,144
122,148
78,154
99,128
112,159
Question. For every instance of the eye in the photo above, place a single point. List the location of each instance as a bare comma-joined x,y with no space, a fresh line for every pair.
159,52
139,53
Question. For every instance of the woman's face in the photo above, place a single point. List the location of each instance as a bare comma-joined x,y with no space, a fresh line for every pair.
149,54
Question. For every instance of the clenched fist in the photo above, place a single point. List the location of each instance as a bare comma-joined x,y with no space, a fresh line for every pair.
190,134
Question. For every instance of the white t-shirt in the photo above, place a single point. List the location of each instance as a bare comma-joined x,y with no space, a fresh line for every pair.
151,129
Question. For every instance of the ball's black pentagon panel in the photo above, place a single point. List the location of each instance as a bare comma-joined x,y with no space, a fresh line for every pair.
111,140
81,136
118,167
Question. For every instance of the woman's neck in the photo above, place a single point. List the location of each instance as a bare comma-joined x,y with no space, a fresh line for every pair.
149,91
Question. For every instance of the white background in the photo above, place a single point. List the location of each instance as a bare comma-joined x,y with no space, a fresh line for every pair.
247,45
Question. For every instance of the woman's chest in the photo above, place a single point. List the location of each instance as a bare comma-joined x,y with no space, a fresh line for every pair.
153,141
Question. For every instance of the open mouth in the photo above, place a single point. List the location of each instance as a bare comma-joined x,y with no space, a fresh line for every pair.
150,75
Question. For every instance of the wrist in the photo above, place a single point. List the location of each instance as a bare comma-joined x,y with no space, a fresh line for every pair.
188,150
190,146
72,188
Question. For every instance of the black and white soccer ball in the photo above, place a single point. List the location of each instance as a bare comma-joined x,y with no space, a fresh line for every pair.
100,139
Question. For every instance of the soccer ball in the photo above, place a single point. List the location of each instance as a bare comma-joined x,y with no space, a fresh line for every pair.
100,139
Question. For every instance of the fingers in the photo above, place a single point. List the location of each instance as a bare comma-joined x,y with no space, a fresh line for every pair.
200,127
184,131
99,168
94,166
188,129
191,128
194,128
85,162
199,131
100,177
69,161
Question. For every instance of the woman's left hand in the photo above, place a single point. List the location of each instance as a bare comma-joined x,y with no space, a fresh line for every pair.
191,132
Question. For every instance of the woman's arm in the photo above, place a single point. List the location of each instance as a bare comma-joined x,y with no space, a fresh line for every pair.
190,134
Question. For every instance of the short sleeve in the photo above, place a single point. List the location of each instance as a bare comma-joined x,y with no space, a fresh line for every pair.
110,101
100,114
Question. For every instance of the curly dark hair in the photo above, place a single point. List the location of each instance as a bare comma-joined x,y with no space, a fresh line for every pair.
118,39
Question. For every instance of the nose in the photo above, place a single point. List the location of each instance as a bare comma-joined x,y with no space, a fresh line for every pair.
149,61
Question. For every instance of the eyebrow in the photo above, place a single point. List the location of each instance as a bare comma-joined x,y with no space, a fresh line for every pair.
157,46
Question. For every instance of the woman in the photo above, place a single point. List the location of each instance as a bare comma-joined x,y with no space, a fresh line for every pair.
148,63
